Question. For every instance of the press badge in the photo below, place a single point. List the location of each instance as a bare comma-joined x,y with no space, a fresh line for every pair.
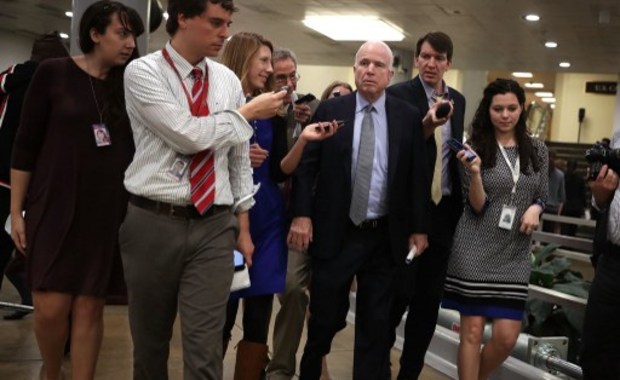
507,217
179,167
102,135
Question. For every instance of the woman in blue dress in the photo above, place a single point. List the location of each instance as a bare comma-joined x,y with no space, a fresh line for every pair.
249,56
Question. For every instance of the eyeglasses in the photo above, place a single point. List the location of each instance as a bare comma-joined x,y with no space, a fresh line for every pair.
282,78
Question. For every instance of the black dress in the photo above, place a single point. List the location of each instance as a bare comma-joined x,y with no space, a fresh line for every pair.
76,199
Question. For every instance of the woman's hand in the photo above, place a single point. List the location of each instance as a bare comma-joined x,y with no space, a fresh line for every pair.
530,219
18,232
472,166
258,155
319,131
246,247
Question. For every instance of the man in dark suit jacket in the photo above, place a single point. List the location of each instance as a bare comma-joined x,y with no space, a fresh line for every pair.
421,284
391,221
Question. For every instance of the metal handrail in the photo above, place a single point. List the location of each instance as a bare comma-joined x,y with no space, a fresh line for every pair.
16,307
568,220
567,368
556,297
580,244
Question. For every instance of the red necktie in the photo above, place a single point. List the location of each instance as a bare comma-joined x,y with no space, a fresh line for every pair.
201,168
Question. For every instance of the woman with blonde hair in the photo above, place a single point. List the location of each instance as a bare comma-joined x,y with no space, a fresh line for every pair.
249,56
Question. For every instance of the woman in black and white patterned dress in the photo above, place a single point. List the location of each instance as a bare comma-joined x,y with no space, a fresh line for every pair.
506,187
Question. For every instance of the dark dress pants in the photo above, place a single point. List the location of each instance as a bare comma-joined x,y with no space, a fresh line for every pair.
600,358
420,289
366,255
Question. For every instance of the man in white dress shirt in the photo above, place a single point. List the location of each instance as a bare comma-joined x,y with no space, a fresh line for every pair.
180,230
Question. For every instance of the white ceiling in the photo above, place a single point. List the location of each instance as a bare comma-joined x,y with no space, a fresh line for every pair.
487,34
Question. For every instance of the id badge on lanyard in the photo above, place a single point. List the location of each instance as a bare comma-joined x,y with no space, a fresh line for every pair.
509,212
201,103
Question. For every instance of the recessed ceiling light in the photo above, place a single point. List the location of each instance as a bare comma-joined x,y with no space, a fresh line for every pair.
544,94
565,64
531,17
548,100
64,36
521,74
534,85
69,14
354,28
551,44
552,105
165,15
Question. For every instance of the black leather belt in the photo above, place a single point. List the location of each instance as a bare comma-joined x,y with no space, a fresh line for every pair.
183,212
371,224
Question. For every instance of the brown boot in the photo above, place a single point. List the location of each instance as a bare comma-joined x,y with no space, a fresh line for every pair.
251,360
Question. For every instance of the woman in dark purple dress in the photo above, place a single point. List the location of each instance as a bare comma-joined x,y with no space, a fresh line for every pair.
73,183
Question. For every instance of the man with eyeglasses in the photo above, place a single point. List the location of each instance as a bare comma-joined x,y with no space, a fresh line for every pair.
285,73
420,284
289,323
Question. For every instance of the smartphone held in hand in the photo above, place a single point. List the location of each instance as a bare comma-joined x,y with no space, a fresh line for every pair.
305,99
457,146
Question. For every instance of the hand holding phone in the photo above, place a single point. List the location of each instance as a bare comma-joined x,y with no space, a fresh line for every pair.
326,125
443,110
305,99
457,146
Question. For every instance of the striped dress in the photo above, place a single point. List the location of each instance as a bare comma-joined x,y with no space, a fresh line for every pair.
489,267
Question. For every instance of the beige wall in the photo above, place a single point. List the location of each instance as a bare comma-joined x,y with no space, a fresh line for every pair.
569,92
570,96
314,79
15,49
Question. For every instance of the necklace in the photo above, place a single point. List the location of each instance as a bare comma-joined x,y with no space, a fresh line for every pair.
92,89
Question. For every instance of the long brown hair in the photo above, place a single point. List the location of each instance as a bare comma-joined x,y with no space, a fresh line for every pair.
483,131
238,54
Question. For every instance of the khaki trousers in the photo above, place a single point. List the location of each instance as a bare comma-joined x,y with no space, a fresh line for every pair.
291,317
177,264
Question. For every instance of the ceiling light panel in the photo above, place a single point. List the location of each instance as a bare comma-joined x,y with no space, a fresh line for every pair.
522,74
354,28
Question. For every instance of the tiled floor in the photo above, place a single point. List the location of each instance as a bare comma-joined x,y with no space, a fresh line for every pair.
20,359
